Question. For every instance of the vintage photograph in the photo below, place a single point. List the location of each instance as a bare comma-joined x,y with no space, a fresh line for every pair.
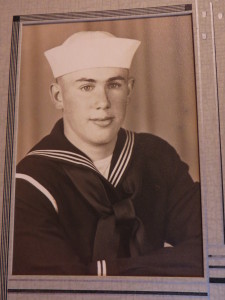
107,176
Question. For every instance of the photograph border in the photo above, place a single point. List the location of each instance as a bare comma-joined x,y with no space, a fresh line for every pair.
193,287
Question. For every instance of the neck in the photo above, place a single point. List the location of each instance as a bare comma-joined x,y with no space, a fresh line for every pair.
98,152
93,151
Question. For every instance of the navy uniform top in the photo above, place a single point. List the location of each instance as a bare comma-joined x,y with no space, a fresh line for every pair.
70,220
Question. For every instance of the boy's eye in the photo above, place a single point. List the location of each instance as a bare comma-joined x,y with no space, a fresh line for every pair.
87,88
114,85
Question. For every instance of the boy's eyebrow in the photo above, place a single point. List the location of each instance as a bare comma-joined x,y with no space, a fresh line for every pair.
85,79
116,78
108,80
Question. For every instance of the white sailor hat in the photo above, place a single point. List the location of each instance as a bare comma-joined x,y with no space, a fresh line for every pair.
91,49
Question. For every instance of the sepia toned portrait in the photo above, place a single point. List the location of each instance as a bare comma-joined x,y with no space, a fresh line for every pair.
107,176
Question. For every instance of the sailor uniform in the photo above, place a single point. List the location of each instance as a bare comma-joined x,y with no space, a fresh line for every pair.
71,220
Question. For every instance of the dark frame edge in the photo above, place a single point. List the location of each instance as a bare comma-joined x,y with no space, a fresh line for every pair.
5,226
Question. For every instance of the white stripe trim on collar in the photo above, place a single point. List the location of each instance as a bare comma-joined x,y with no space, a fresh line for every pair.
78,159
65,156
123,160
40,187
120,157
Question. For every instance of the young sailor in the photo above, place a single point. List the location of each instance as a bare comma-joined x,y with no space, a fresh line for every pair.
93,198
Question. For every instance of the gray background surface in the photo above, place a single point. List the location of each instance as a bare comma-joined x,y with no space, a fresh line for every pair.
210,79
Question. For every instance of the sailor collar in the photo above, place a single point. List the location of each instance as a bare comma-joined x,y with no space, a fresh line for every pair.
60,149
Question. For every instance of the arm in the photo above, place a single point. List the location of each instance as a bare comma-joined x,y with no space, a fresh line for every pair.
183,259
181,216
41,247
40,243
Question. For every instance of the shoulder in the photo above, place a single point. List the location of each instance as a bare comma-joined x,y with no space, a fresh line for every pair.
154,145
37,166
37,180
38,174
35,163
159,156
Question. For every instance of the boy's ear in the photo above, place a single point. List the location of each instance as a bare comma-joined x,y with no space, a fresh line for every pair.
130,85
56,95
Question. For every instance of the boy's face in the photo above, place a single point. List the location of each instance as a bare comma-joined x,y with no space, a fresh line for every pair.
94,104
